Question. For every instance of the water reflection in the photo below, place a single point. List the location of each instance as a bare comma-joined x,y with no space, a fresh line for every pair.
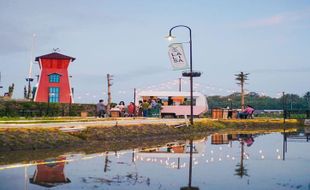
241,168
51,173
190,187
302,136
219,161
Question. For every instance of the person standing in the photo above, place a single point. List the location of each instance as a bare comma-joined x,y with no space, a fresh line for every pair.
122,107
131,109
101,109
145,108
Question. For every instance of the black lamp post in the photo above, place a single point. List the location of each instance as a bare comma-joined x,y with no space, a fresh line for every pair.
190,73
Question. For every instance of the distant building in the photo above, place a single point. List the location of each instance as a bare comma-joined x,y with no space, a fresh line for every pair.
54,84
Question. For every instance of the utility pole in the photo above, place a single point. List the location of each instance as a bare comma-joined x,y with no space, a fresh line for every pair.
283,107
241,78
109,78
0,81
30,79
180,84
134,100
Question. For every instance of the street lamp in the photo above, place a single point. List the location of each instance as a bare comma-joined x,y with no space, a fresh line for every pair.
190,73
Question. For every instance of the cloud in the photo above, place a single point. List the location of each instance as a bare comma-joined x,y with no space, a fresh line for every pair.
279,19
271,21
284,70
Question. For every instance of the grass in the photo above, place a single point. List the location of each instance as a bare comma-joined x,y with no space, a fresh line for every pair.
12,139
26,144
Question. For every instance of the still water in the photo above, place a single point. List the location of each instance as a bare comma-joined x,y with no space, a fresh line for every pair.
219,161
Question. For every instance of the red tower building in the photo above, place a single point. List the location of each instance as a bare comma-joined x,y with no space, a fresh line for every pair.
54,84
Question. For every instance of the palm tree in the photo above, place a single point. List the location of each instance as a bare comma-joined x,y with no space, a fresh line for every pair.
241,78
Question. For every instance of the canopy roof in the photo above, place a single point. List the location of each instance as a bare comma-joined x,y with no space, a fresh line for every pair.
54,55
168,93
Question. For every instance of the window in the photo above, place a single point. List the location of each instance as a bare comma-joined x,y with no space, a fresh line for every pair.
53,95
55,78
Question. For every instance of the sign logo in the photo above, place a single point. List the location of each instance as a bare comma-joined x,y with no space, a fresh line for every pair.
177,56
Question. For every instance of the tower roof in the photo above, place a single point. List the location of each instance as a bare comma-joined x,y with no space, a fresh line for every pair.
54,55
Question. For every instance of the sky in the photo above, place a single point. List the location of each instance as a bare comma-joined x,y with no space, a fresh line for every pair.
267,38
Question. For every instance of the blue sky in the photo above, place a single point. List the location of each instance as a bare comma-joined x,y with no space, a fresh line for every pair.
267,38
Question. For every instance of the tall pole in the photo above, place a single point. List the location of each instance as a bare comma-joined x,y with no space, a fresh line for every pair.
134,100
0,81
242,96
241,78
283,107
180,84
191,68
191,76
109,92
30,79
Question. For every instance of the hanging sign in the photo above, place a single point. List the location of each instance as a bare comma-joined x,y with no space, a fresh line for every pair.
177,56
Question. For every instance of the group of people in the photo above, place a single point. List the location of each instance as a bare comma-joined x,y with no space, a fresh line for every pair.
146,108
248,111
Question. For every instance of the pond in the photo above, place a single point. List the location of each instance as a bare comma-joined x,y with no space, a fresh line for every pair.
218,161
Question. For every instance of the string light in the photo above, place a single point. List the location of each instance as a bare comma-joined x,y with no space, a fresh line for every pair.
263,157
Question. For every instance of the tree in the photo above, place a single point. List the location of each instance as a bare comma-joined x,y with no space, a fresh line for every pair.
241,78
307,98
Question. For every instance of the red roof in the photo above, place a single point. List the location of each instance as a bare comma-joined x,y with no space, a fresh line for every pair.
54,56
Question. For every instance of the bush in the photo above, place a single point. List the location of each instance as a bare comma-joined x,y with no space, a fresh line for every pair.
14,108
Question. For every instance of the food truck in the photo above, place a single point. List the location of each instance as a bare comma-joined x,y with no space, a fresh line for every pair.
175,103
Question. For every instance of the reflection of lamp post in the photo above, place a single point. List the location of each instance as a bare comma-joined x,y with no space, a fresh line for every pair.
190,74
189,187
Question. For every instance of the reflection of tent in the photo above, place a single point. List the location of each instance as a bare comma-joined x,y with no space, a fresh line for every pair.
219,139
178,148
173,149
50,174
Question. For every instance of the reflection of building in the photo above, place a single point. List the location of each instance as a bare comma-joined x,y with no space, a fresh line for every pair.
172,149
50,174
54,84
219,139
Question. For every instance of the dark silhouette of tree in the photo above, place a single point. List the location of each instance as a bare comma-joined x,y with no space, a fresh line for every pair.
106,162
241,170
